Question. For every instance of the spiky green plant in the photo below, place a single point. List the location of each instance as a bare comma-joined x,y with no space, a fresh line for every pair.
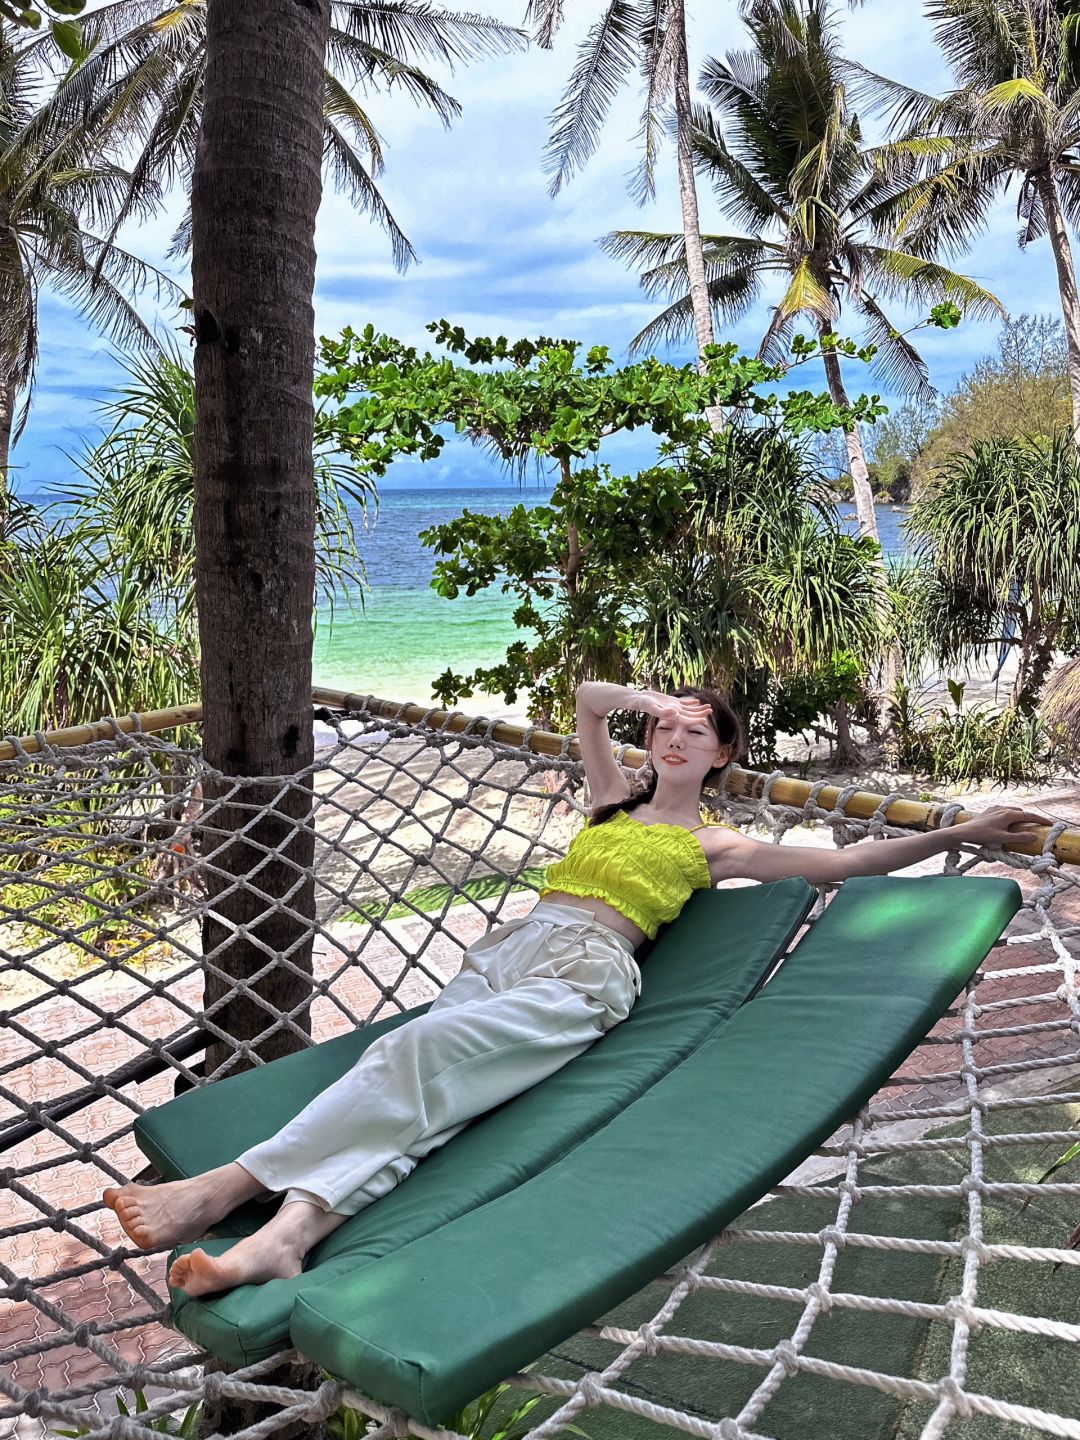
997,534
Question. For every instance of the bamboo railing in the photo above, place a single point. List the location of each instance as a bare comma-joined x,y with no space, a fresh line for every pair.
786,790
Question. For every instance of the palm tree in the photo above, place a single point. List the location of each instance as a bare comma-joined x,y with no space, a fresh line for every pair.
54,200
1015,114
649,35
256,189
142,82
786,155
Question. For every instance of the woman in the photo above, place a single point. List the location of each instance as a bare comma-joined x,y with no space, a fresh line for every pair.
530,995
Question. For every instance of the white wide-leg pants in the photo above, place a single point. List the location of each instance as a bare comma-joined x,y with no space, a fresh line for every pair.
530,995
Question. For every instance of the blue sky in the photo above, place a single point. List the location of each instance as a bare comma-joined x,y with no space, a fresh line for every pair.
498,256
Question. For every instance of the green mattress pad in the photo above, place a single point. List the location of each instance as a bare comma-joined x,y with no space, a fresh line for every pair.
437,1320
699,972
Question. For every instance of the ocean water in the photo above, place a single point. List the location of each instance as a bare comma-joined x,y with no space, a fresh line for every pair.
407,635
396,639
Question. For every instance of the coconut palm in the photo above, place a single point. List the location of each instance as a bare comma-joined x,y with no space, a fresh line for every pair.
648,36
786,155
54,202
1015,115
142,84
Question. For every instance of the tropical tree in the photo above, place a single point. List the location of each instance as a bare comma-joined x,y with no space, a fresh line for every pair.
97,592
141,84
256,187
1014,115
137,494
54,203
996,535
648,36
786,155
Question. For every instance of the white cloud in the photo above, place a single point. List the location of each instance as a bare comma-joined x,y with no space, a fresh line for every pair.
497,254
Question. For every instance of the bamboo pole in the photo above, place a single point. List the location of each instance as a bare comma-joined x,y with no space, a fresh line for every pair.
173,718
913,814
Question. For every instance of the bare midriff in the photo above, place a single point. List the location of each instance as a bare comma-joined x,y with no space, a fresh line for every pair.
602,911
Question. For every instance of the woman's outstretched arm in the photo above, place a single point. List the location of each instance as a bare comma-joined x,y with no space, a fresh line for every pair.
738,857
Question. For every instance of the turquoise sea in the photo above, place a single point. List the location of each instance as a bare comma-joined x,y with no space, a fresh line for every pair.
407,635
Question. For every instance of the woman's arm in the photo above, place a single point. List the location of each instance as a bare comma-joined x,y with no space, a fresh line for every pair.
594,701
738,857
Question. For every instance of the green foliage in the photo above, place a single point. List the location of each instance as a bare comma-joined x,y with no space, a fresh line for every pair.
900,440
548,402
963,745
723,556
30,13
1022,391
97,610
484,1419
997,542
187,1428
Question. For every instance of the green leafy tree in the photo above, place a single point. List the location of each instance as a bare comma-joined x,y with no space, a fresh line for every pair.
1013,116
997,556
706,564
900,441
140,87
786,155
1020,392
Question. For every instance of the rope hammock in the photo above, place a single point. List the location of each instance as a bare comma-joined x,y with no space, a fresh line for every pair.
428,827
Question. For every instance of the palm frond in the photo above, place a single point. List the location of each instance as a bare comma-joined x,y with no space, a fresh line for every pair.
806,295
898,363
374,68
732,296
350,175
423,31
605,61
926,283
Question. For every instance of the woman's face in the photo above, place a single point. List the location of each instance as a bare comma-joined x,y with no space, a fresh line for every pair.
687,747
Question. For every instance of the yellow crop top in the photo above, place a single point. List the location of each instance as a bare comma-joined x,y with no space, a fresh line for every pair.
644,869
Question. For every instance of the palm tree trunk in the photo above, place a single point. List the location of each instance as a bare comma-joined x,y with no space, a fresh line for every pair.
7,418
1066,274
255,192
891,659
695,255
860,476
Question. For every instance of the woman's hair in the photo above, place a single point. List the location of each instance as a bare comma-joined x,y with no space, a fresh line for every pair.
729,731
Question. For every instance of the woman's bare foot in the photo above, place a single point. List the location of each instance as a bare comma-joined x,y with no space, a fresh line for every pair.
155,1216
276,1252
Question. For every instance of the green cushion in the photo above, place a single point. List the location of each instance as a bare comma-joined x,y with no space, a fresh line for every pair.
700,970
438,1321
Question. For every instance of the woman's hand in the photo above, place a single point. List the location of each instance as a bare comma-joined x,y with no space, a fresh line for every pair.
999,826
677,707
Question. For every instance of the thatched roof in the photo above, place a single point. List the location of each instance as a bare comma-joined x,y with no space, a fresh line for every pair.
1060,704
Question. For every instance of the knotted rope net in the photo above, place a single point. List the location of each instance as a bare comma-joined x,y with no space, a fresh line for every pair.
913,1269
